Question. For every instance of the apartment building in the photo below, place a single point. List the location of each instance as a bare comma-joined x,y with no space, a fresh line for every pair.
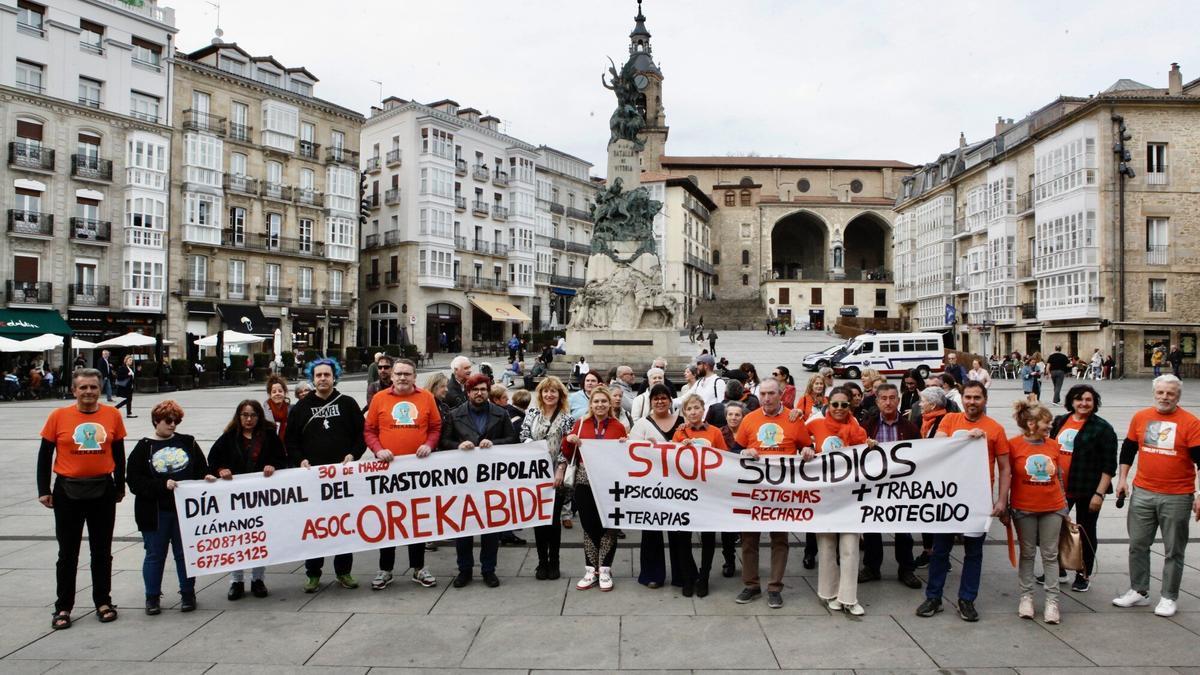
1075,226
563,234
265,195
84,91
449,247
683,239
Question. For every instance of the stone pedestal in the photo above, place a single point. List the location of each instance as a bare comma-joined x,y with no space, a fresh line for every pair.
622,346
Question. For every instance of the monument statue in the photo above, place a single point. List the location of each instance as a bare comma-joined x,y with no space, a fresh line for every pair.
627,120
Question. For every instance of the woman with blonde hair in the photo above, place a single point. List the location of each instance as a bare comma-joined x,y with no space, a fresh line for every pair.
599,542
814,398
548,418
1037,503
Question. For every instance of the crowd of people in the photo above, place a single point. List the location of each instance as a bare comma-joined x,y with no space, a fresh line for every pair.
1056,465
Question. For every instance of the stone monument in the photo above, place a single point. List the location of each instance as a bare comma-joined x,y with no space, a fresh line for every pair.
622,311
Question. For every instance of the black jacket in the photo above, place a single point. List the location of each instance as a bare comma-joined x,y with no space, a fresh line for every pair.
229,452
458,427
1058,361
149,487
455,396
905,429
1094,453
325,431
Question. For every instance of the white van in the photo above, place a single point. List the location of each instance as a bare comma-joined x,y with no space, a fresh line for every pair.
891,354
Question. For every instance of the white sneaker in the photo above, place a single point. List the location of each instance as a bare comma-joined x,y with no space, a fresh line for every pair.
834,605
1025,609
606,582
588,580
1165,607
424,577
381,580
1132,599
855,609
1051,614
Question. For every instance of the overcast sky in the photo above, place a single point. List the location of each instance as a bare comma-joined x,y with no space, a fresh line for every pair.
801,78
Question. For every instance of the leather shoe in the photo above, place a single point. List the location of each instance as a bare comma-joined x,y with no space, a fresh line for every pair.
810,562
237,589
909,579
491,579
462,579
866,575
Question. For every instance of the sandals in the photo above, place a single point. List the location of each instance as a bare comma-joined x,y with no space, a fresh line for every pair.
106,613
61,620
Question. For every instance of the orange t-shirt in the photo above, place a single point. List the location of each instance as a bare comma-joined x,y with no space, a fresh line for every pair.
1035,482
956,424
772,434
709,435
403,423
1066,445
829,434
1163,462
807,404
83,441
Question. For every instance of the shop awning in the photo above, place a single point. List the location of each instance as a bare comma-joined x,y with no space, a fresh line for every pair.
245,319
562,291
31,322
499,311
197,308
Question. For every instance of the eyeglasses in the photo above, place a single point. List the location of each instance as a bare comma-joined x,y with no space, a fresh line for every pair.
839,404
168,420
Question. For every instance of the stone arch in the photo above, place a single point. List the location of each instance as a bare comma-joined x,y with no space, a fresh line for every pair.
868,249
799,242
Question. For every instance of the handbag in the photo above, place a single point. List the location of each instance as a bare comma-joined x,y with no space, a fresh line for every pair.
569,474
82,489
1070,547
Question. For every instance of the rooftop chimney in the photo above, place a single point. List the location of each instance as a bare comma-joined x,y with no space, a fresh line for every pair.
1175,81
1003,125
962,140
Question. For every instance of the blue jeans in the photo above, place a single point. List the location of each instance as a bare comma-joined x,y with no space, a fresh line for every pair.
107,389
156,543
939,567
489,547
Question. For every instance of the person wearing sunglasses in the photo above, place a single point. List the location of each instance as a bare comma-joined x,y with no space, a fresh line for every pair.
837,571
155,467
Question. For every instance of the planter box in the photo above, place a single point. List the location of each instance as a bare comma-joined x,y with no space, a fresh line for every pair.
183,382
291,372
208,379
146,385
240,377
353,366
260,374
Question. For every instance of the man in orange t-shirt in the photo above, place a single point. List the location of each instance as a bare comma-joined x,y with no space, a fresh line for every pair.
768,431
403,420
972,423
84,446
1165,440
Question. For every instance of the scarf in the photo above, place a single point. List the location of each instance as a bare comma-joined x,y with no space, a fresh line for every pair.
929,419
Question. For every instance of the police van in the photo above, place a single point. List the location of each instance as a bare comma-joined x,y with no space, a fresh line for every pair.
825,357
891,354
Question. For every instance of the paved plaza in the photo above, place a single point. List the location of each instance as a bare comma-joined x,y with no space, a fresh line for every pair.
541,626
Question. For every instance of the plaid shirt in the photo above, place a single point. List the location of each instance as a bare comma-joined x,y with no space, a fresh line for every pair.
1095,453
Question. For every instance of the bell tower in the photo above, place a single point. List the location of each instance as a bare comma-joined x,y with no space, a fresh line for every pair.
649,79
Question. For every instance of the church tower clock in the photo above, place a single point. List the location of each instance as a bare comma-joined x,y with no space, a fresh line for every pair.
649,82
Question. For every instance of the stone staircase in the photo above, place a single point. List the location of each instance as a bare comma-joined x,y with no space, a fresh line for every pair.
731,314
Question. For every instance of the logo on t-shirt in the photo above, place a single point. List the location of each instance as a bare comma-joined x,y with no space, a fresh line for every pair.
1160,434
770,435
169,460
961,433
404,414
1067,440
832,443
1039,468
697,442
89,436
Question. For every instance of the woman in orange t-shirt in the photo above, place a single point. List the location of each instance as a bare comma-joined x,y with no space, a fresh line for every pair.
694,431
814,397
837,570
1037,502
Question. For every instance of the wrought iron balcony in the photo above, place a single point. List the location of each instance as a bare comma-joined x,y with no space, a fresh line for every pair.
558,244
199,288
577,247
310,150
337,298
371,241
568,281
275,296
32,156
391,277
461,244
240,132
467,283
481,173
578,214
29,292
243,184
336,155
479,207
235,291
460,202
499,212
87,295
372,280
697,262
393,157
30,223
557,208
371,200
88,229
391,237
373,164
309,197
460,167
276,191
90,167
195,120
500,178
392,196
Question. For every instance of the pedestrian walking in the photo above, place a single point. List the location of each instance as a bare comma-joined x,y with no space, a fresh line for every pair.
124,376
1175,358
1058,364
712,342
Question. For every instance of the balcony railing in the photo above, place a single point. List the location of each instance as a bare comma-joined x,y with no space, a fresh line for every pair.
337,298
276,191
371,241
500,212
29,292
336,155
557,208
199,288
487,247
372,280
481,173
275,296
88,229
195,120
310,150
261,241
391,277
568,281
460,167
32,223
467,283
1158,302
1029,310
371,199
692,260
460,202
87,295
306,197
243,184
558,244
873,274
461,244
91,167
235,291
578,214
30,156
393,157
392,196
1025,202
1157,255
240,132
500,178
1158,177
578,247
479,207
306,297
373,164
391,237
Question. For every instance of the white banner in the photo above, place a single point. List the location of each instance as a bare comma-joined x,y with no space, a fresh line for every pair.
340,508
936,485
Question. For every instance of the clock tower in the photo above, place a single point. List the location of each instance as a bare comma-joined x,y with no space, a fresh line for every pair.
649,81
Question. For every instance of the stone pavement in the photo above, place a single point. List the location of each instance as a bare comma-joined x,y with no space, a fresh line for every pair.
542,626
